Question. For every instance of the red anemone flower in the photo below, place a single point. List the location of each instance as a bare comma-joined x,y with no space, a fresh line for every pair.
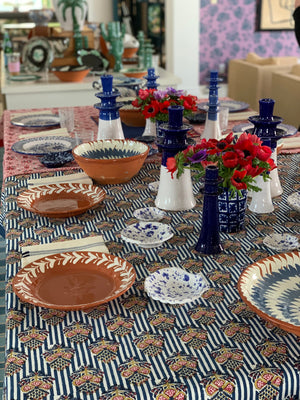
237,178
171,166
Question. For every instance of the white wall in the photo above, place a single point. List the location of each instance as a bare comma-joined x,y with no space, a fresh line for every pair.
182,41
100,10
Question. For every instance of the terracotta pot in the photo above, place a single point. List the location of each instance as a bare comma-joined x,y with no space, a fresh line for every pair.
71,76
132,117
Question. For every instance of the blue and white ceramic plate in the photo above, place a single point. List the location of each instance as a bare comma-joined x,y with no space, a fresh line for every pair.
288,130
44,145
56,160
147,234
294,201
233,105
36,120
175,286
149,214
271,287
281,242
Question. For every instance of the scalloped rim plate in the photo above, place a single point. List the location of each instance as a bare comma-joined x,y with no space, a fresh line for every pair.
147,234
175,286
149,214
293,201
281,242
74,280
41,146
271,288
61,200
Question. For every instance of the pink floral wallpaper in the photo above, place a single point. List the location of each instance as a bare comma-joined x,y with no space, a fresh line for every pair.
228,31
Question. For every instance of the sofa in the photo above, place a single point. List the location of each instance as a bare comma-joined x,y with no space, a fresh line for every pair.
286,93
250,79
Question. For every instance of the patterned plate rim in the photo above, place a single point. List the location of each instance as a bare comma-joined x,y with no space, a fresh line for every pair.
26,198
72,143
120,267
242,104
284,325
15,120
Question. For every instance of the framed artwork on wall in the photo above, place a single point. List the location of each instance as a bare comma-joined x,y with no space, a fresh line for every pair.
275,15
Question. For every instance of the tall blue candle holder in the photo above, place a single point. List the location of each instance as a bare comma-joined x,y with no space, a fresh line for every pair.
151,78
109,126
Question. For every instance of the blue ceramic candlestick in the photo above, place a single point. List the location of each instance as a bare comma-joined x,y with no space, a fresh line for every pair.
266,128
151,79
109,126
212,125
209,240
174,194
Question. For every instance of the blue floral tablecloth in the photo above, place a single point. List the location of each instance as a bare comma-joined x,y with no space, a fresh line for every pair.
133,347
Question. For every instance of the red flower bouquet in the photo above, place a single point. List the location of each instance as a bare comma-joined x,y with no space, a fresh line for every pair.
154,103
239,161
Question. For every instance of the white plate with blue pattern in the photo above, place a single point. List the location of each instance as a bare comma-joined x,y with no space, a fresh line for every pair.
147,234
294,201
44,145
149,214
281,242
175,286
36,120
271,288
287,130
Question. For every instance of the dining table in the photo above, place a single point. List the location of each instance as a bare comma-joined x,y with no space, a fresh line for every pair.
134,347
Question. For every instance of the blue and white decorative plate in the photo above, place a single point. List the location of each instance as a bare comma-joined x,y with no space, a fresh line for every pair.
233,105
175,286
271,287
44,145
149,214
147,234
56,160
36,120
288,130
294,201
281,242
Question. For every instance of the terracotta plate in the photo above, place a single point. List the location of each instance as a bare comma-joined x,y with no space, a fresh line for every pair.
271,287
74,280
61,200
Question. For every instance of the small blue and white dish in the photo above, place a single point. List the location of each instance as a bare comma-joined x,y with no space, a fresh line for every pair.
284,130
147,234
149,214
56,160
281,242
41,146
294,201
175,286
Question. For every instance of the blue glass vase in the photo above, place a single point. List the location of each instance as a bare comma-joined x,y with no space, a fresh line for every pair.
209,240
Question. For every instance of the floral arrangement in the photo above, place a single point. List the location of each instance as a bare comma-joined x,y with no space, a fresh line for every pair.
154,103
239,161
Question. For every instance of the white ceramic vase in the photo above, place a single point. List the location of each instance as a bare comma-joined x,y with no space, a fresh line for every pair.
175,194
67,24
261,202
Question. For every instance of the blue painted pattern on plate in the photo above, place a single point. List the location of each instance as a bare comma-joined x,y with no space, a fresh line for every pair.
44,145
294,201
175,286
147,234
36,121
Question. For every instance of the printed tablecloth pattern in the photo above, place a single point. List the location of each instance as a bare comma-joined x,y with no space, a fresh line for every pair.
133,347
